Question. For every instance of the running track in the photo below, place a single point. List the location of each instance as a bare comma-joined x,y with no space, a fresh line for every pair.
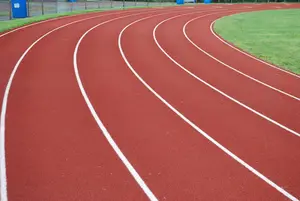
145,104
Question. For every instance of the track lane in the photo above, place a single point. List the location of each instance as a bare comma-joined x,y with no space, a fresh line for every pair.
269,75
15,43
189,169
205,107
41,96
225,80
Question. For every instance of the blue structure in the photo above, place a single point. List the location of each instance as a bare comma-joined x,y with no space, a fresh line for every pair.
207,1
180,2
19,8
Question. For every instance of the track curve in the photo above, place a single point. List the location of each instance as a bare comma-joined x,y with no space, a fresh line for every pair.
55,150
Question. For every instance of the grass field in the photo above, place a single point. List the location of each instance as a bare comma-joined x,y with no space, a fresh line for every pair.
10,24
273,36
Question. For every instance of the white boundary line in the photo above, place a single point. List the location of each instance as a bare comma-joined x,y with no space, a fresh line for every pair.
228,66
3,179
248,55
214,88
236,158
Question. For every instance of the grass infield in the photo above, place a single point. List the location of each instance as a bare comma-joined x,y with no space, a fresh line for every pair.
273,35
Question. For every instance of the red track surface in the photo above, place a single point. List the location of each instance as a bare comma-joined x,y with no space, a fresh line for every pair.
56,151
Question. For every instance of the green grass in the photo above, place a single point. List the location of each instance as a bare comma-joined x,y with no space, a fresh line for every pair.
10,24
273,36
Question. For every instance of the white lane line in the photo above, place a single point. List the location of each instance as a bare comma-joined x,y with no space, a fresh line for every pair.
3,179
128,165
248,55
214,88
243,163
107,135
234,69
131,169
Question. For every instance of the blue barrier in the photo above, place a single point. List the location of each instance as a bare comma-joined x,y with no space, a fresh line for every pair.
207,1
180,2
19,8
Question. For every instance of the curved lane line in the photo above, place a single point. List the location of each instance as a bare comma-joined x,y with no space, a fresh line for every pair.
214,88
3,179
228,66
107,135
236,158
247,54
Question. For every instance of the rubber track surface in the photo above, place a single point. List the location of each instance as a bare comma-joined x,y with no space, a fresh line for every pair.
54,149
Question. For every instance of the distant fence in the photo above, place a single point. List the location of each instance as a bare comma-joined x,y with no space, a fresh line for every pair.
255,1
39,7
42,7
4,10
